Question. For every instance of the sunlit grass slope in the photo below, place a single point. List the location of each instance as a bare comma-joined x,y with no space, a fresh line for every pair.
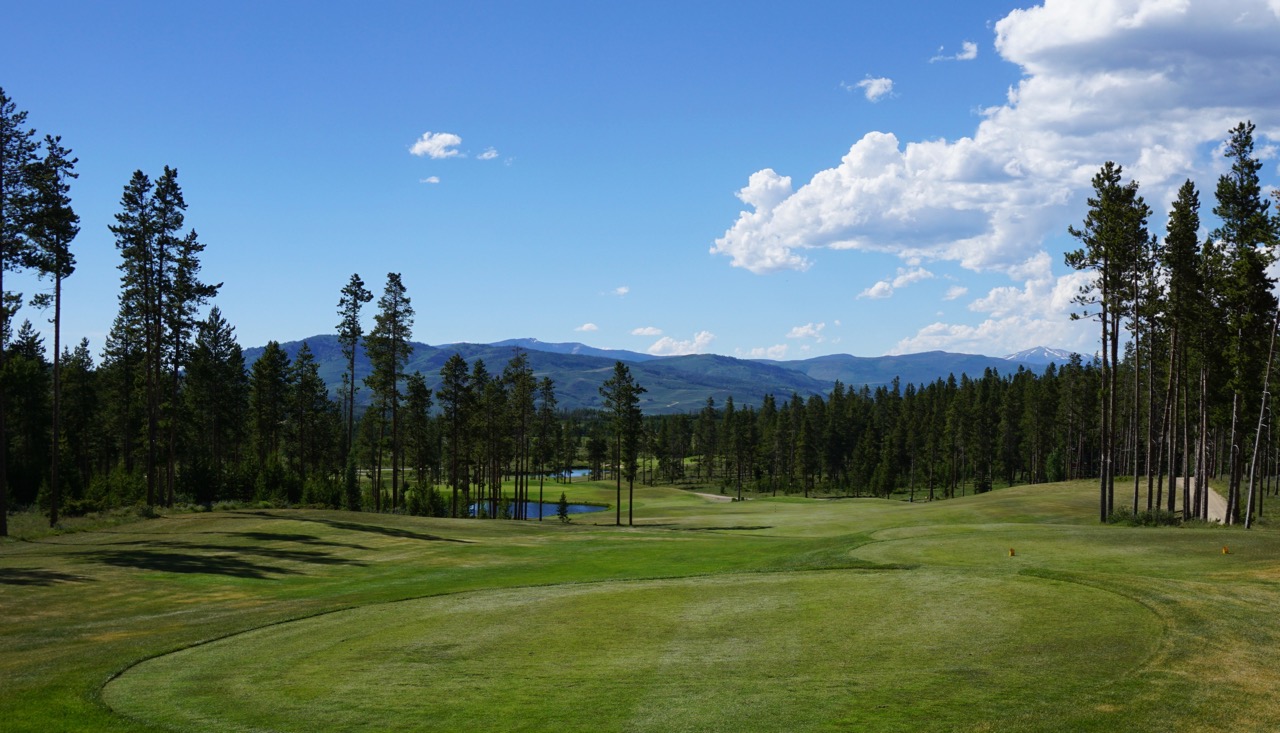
784,614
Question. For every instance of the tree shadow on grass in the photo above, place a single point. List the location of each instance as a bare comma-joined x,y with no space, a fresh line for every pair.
238,561
25,576
174,562
361,527
305,539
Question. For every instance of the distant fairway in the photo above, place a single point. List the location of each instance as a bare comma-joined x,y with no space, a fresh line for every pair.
781,615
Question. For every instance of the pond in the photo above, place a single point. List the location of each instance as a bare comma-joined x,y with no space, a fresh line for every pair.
549,509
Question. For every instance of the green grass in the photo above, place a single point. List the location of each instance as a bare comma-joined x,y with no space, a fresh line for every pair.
770,614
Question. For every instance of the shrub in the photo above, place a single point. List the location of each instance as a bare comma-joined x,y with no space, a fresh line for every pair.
1158,518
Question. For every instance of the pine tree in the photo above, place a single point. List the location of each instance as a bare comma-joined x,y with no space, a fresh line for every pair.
548,435
17,152
268,412
51,226
521,389
1113,233
217,398
455,396
354,295
388,348
1246,240
621,397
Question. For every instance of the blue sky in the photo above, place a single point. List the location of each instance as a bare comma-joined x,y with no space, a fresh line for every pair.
742,178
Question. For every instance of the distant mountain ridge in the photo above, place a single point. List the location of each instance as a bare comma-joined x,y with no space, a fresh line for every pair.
673,384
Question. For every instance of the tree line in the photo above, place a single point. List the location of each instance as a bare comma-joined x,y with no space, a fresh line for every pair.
172,413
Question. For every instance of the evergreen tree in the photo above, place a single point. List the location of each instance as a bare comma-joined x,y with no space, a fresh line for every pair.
388,348
548,435
455,398
1245,241
621,397
51,226
354,295
1113,233
17,152
217,396
268,413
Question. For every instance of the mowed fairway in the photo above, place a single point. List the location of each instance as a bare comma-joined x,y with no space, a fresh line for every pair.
781,615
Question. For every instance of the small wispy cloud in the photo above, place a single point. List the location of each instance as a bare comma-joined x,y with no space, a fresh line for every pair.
488,154
873,88
955,291
646,331
621,290
587,327
429,179
437,145
968,52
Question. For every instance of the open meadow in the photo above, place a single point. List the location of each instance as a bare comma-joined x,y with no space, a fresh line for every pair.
1008,611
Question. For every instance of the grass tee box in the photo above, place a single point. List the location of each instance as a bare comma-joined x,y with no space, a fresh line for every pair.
759,615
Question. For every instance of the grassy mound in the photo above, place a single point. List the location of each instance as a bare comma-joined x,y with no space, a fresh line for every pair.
905,649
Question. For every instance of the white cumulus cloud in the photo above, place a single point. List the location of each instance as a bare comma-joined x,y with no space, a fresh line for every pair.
587,327
879,291
646,331
776,352
873,88
955,291
667,346
968,52
807,331
488,154
621,290
429,179
437,145
886,288
1152,84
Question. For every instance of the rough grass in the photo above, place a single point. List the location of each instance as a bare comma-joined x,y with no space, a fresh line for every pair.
764,615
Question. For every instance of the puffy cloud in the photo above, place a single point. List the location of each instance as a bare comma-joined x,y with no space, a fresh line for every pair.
621,290
776,352
1015,319
807,331
906,277
874,89
1152,84
955,291
1147,83
646,331
667,346
488,154
437,145
429,179
886,288
879,291
968,52
587,327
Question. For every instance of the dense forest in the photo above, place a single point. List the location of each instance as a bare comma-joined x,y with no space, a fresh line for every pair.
169,412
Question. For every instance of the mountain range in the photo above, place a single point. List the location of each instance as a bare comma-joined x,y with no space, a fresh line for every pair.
675,384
